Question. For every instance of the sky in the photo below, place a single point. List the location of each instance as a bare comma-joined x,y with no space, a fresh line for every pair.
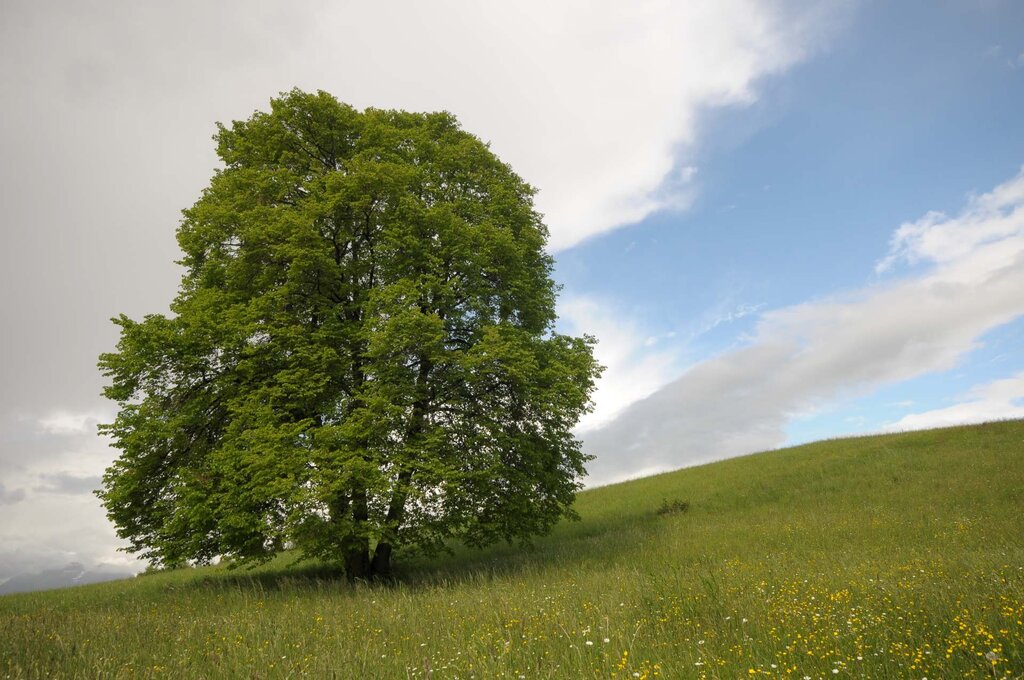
784,221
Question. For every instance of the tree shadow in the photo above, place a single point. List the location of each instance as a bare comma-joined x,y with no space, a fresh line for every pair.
604,544
307,575
604,539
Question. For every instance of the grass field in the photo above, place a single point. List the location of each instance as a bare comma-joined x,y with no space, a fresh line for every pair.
897,556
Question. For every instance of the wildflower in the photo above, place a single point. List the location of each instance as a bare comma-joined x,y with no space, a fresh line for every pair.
607,640
590,643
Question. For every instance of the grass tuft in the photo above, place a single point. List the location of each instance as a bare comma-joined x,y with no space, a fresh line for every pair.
673,507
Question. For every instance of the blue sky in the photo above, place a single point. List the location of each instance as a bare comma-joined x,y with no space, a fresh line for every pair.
912,108
784,221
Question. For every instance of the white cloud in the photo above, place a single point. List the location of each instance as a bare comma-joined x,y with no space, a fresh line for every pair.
595,103
997,400
662,64
592,102
633,367
807,355
977,238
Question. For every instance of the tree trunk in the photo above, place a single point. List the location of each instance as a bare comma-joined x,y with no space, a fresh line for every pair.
356,546
357,560
381,564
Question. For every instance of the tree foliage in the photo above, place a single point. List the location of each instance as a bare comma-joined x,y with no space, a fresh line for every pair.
361,356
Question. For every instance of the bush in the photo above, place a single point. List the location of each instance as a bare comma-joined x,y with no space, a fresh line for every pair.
673,507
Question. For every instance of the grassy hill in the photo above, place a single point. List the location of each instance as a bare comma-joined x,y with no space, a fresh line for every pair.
881,557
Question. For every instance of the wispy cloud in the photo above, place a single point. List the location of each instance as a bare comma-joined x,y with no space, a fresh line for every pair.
725,313
803,356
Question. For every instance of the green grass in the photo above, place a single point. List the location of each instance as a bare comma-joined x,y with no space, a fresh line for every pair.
879,557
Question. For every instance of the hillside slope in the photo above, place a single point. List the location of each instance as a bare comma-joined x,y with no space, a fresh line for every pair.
888,556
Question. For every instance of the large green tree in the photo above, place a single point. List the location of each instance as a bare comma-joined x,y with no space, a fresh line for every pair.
361,356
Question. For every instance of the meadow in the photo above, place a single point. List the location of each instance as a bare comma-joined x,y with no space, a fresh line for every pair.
895,556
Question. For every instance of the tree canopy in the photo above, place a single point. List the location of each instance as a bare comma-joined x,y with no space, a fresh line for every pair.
361,355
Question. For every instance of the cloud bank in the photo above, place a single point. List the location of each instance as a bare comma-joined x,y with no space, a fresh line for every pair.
51,465
969,281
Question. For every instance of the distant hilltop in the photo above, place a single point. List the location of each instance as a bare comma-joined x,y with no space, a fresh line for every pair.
73,574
